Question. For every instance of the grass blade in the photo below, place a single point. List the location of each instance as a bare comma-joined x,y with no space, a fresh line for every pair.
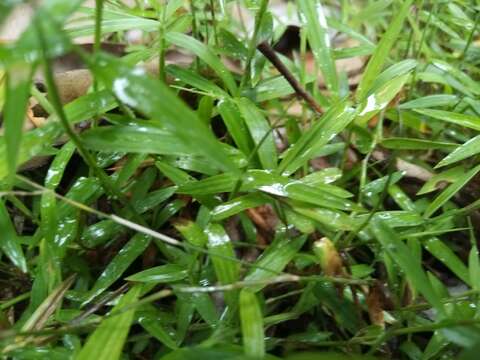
261,133
274,259
319,39
9,241
154,99
382,51
133,249
204,53
470,148
107,341
450,191
18,80
330,124
468,121
402,255
251,320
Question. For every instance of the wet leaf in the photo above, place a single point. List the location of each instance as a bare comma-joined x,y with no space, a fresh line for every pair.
107,341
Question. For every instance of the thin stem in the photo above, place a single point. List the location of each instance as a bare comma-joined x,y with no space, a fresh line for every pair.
214,22
162,44
270,54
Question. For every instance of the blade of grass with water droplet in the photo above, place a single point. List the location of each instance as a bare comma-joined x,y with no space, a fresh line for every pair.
323,130
430,101
382,51
445,254
194,79
108,340
226,269
35,141
319,39
9,240
235,124
48,203
114,270
237,205
260,132
470,148
450,191
152,322
379,99
465,120
251,320
416,144
402,255
154,99
274,259
160,274
206,54
17,90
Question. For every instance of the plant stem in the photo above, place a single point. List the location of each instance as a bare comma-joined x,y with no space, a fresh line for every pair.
270,54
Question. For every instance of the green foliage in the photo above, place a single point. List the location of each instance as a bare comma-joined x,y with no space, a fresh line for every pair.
171,210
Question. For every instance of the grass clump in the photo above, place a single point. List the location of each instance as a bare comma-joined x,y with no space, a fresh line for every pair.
240,180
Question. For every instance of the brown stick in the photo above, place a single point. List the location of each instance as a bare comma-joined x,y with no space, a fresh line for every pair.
270,54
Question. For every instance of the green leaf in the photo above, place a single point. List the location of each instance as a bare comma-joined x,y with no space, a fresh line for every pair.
330,124
274,259
382,51
378,100
469,148
134,139
114,270
235,124
42,314
18,80
430,101
222,256
450,191
192,232
318,36
154,99
160,274
449,175
113,21
445,254
194,79
399,69
328,196
415,144
35,141
474,268
251,321
260,132
9,240
237,205
48,202
468,121
107,341
152,322
402,255
204,53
